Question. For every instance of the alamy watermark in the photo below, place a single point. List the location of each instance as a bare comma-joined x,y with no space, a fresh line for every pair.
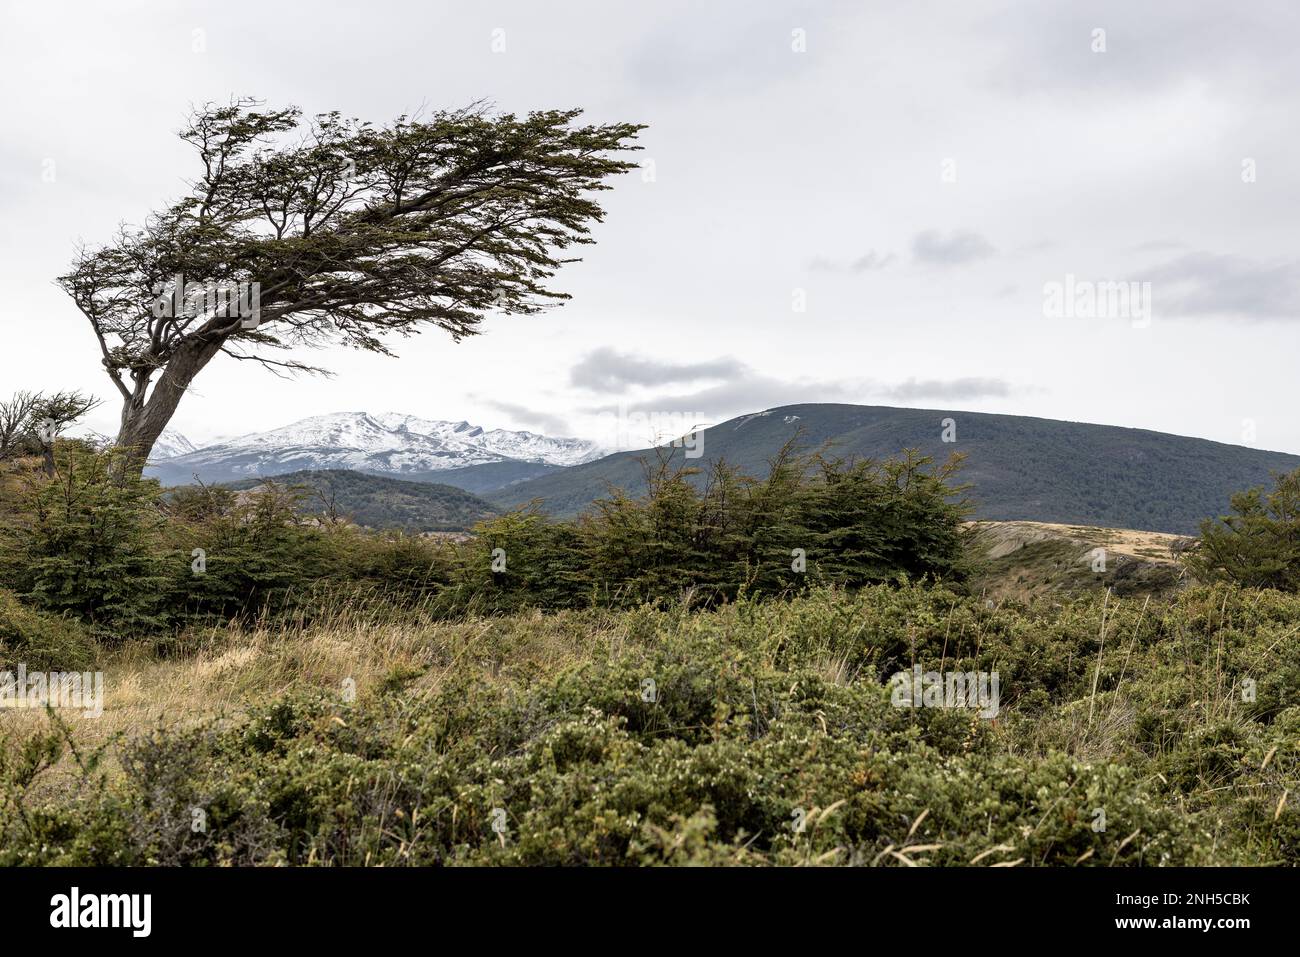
130,911
237,300
629,428
54,689
1109,299
952,689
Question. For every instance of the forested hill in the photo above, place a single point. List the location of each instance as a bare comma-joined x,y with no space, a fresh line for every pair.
1020,467
379,502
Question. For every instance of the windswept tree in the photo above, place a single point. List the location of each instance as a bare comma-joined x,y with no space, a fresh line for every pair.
331,231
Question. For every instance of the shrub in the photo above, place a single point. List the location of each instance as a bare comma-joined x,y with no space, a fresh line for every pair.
1258,545
84,543
229,555
41,641
810,521
670,736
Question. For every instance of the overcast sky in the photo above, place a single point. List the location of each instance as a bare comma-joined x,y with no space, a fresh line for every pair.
860,202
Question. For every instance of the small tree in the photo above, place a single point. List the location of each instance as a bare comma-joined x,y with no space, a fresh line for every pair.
235,553
84,543
30,422
1259,544
343,234
17,416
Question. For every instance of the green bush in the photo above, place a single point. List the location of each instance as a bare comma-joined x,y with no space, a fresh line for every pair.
811,521
708,736
230,555
84,543
41,641
111,550
1258,545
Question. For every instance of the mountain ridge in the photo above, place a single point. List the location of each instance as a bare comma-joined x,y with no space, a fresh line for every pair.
1022,468
381,502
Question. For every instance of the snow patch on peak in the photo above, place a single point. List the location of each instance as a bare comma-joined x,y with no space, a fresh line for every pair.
388,442
170,444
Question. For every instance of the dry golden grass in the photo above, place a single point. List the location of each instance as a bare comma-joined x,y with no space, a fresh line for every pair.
223,672
999,539
1026,560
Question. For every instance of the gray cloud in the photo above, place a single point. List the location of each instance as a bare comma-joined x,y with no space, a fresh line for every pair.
749,391
1229,286
753,393
545,422
1039,246
607,370
966,388
958,248
869,262
1159,246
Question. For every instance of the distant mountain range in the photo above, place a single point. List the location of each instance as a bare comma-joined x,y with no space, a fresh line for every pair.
1021,468
393,444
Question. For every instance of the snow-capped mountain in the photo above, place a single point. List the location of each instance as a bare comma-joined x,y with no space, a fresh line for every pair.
389,443
170,444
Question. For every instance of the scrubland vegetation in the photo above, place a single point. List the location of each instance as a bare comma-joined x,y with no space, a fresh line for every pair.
693,676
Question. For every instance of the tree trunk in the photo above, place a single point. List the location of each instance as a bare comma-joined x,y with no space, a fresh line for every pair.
144,420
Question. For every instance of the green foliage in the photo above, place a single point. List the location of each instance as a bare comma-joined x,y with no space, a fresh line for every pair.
631,727
95,543
82,542
521,558
408,569
41,641
758,716
114,554
231,555
844,523
886,522
1259,544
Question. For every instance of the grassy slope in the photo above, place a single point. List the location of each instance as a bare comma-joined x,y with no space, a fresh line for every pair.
1021,467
